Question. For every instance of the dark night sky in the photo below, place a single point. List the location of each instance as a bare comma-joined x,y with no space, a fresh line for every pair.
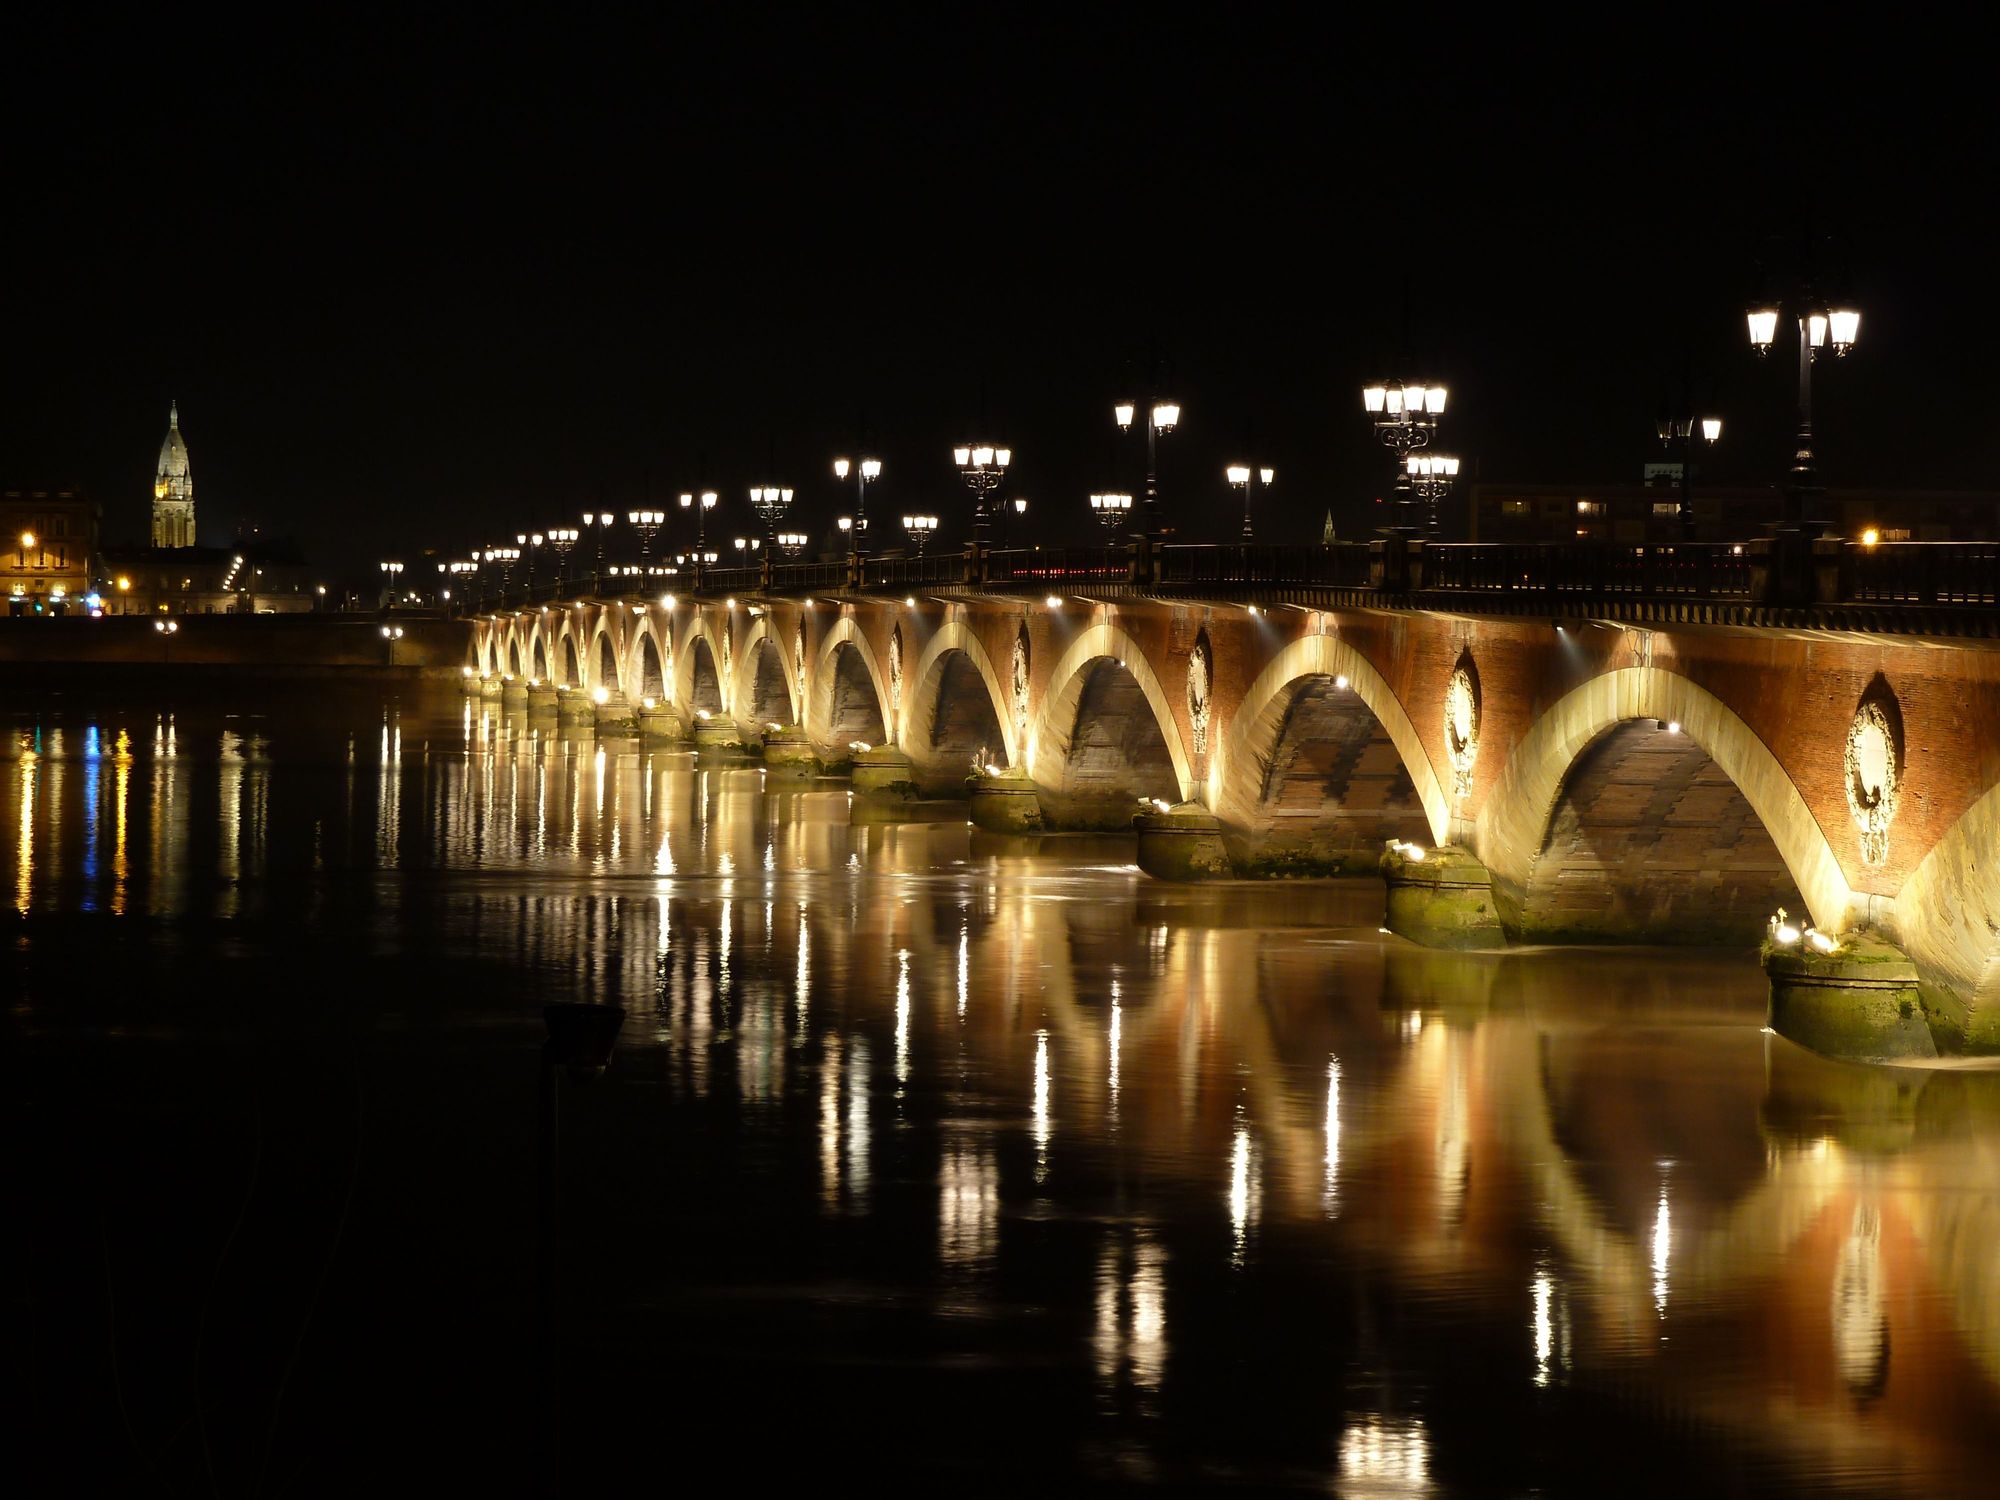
421,280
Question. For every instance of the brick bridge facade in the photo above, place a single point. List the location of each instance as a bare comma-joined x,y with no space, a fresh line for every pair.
1673,775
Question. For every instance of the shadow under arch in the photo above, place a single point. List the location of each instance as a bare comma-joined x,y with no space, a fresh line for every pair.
957,708
1513,825
606,673
846,700
645,664
1342,764
572,667
696,674
763,686
1106,736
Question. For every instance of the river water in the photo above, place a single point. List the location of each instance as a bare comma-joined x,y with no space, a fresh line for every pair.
923,1157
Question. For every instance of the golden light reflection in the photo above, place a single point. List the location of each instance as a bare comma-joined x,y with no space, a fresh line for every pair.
803,998
968,1205
1041,1116
1663,1239
24,859
1245,1193
1333,1138
1129,1338
121,788
1114,1042
1860,1312
1389,1455
902,1015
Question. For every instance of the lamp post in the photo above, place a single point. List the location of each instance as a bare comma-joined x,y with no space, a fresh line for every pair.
920,529
1011,514
770,501
561,540
1246,478
1406,419
866,472
646,522
1113,510
982,466
1820,326
1430,476
602,520
706,502
1678,428
792,543
1161,417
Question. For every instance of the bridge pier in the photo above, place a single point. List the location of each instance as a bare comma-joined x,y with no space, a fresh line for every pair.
513,692
884,771
717,733
1005,800
1183,842
1855,998
574,707
542,697
788,750
614,714
661,721
1442,898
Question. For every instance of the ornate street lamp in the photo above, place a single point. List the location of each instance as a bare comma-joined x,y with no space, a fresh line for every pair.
707,501
792,543
1113,510
1406,419
1678,428
602,520
1011,514
1820,327
1430,475
920,529
1161,417
561,540
982,466
646,523
1245,478
770,502
866,472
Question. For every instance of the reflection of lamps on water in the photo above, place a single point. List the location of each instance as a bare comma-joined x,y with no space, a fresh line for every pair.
579,1043
1860,1321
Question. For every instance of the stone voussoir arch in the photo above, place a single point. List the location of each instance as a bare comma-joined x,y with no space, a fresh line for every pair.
927,682
1049,739
1948,910
1514,818
820,680
603,629
696,631
1237,775
744,691
645,628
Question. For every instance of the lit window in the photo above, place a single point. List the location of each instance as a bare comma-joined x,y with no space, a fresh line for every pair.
1590,507
1515,507
1666,508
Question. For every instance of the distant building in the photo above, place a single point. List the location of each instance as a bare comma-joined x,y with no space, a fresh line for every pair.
49,539
1650,512
173,488
255,576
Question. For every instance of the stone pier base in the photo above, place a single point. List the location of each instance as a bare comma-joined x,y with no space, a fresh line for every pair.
514,692
573,705
1182,843
1858,1002
1007,803
788,752
489,688
717,734
884,771
661,721
1442,898
472,683
615,715
542,697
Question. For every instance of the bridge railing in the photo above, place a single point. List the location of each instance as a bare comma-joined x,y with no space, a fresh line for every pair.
1058,565
1710,570
1922,573
1339,565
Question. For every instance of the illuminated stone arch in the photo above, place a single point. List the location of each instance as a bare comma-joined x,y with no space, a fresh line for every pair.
762,642
1238,771
1514,821
698,641
1948,911
925,695
649,678
606,659
1049,742
568,665
536,654
822,682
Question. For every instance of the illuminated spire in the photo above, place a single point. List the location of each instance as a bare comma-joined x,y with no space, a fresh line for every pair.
173,488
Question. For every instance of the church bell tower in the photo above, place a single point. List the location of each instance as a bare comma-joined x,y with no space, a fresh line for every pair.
173,489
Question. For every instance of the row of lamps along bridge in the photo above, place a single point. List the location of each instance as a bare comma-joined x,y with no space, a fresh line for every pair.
1405,416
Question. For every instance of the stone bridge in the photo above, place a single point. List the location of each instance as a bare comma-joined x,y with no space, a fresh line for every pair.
1588,769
